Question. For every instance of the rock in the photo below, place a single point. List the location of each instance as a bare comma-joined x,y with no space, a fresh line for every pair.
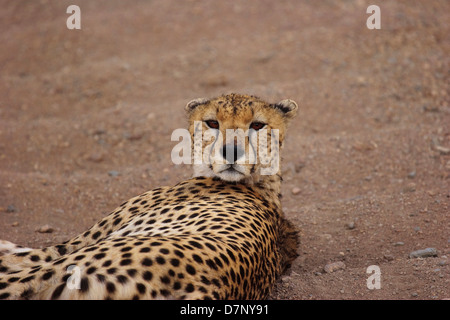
350,225
45,229
11,208
334,266
410,187
296,191
96,157
424,253
399,243
412,175
113,173
442,150
389,257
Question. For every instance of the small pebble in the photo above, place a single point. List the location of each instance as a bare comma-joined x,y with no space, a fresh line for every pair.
45,229
113,173
389,257
334,266
296,191
425,253
350,225
399,243
96,157
412,175
11,208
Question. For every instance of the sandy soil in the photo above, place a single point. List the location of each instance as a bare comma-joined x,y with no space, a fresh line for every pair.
86,118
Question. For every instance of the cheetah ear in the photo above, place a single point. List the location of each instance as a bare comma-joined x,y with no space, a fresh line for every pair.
194,104
288,107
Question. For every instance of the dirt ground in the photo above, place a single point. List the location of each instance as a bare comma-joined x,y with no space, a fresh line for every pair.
86,118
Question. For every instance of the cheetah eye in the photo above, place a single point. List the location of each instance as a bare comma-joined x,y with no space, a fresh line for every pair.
257,125
213,124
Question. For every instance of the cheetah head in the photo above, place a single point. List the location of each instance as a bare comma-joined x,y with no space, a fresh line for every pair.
238,138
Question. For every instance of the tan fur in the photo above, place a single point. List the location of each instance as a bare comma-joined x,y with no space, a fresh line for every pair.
215,236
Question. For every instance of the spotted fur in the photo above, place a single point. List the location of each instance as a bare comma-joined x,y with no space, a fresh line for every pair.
213,236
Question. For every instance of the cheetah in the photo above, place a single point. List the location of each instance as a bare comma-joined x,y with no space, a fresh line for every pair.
221,234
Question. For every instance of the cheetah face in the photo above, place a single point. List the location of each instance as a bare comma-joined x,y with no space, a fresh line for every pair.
237,138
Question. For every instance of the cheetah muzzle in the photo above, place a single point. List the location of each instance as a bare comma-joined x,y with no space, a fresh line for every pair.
219,235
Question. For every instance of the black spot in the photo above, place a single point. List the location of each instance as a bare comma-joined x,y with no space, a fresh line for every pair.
13,279
145,249
164,292
205,280
91,270
126,249
35,258
155,243
81,256
126,262
84,284
110,287
140,287
57,293
175,262
164,251
179,253
4,295
22,254
196,244
117,221
101,278
99,256
131,272
225,259
62,250
164,210
111,270
165,280
24,280
160,260
189,288
211,264
26,294
224,280
3,285
178,208
218,262
48,275
131,209
176,285
96,235
122,279
147,275
197,258
217,283
147,262
90,249
107,263
190,269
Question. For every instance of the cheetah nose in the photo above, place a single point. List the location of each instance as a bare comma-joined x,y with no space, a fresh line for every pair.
232,153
